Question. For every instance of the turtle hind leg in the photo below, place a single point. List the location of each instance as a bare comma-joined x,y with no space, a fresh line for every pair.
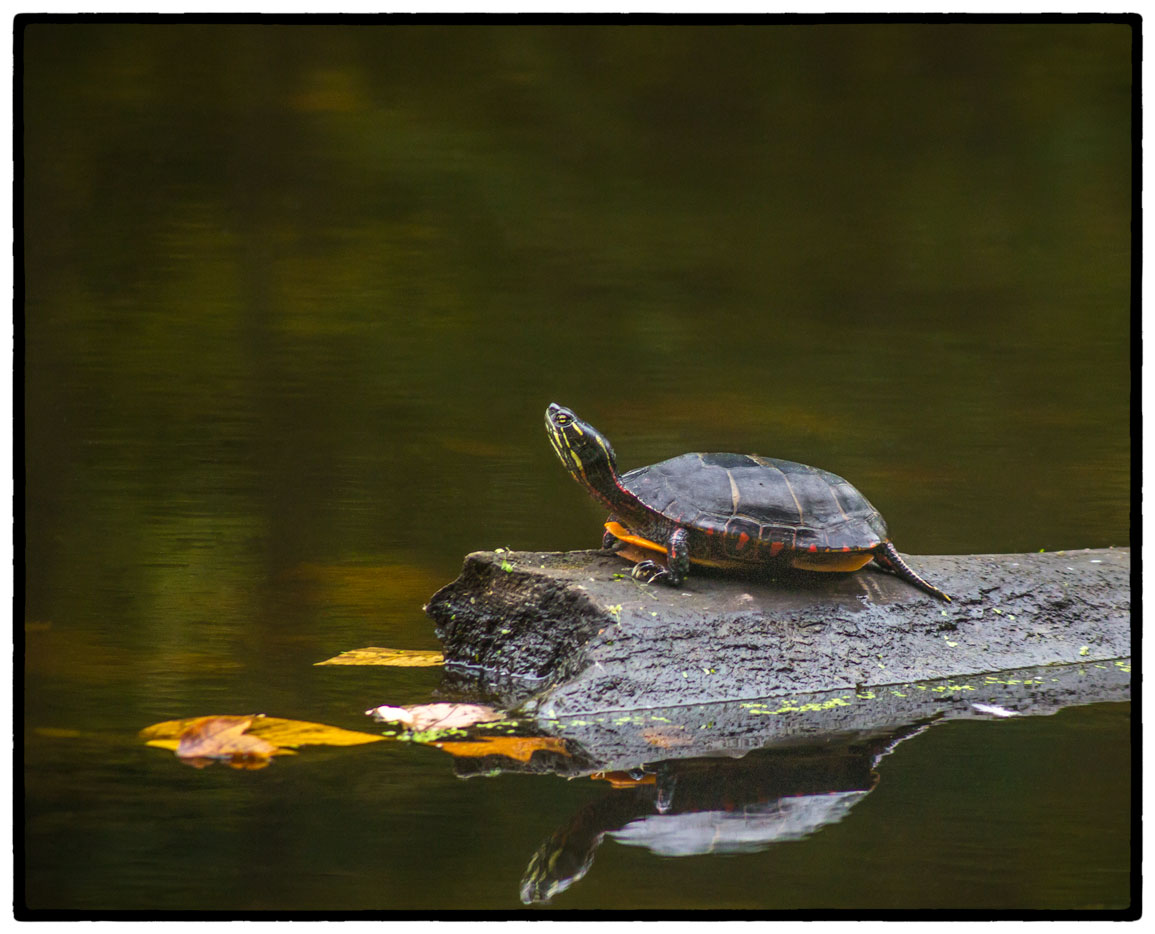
887,556
677,562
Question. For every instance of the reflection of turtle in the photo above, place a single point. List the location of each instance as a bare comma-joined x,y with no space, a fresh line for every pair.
567,854
711,804
727,510
747,830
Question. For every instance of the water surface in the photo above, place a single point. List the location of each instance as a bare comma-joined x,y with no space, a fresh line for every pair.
297,297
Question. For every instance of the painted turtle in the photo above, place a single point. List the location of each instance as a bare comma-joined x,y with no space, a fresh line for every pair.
726,510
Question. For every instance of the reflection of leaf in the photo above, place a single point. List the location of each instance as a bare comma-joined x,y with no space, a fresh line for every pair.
625,779
513,747
665,737
272,730
399,658
435,716
243,762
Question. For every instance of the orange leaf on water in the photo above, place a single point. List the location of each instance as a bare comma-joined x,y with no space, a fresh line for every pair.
520,748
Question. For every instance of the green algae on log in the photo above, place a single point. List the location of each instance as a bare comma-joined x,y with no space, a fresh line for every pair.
577,632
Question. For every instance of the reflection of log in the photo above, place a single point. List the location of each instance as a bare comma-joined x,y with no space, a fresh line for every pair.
618,741
712,805
596,640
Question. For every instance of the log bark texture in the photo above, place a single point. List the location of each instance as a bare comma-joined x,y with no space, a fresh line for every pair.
578,634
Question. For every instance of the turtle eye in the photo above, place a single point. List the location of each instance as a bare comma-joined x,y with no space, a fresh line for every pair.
563,419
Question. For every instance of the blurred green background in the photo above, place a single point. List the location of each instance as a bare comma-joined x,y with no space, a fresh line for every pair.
297,296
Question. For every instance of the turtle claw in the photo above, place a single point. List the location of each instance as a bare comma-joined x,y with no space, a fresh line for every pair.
647,572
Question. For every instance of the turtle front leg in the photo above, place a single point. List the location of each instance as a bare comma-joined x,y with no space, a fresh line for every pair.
611,542
677,562
678,557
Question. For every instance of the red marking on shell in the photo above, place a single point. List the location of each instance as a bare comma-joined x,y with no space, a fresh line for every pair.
776,547
743,538
813,547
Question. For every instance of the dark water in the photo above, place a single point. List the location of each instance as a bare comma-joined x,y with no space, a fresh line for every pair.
296,299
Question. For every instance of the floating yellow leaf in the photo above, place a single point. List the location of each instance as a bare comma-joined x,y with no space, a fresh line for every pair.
520,748
222,737
398,658
303,733
274,730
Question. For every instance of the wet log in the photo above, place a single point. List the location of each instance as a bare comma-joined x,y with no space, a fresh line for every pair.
574,632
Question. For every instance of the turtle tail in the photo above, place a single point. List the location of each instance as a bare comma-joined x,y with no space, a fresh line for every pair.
887,556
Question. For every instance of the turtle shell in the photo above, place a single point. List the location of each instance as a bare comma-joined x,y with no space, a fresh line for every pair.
742,500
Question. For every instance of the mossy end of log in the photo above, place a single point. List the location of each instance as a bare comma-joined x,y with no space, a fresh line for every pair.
595,639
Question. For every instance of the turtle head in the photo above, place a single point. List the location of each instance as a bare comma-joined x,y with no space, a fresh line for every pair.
585,451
